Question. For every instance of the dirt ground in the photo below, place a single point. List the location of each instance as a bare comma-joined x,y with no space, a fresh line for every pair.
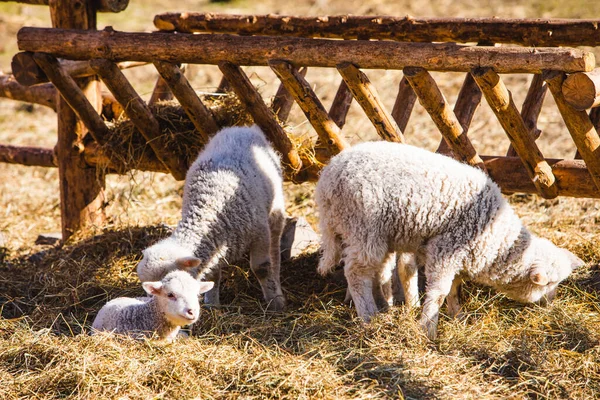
49,294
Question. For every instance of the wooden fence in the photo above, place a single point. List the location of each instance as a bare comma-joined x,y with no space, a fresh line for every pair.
289,45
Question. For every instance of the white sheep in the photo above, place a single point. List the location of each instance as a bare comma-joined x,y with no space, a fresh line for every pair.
378,198
173,303
233,205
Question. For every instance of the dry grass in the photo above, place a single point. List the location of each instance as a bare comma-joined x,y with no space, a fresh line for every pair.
48,295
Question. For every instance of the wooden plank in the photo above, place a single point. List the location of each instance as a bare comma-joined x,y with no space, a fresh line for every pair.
27,72
41,94
329,133
501,102
341,105
403,106
366,95
432,99
250,51
530,111
579,125
139,113
114,6
283,100
262,116
528,32
81,189
199,114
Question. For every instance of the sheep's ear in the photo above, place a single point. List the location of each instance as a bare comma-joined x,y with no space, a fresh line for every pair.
576,262
154,288
206,286
187,262
539,277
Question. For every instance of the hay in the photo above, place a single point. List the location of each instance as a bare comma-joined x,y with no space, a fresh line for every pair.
127,147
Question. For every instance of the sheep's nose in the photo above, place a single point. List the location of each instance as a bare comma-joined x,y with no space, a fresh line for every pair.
190,312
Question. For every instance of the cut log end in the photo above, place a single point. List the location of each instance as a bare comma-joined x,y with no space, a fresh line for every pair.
582,90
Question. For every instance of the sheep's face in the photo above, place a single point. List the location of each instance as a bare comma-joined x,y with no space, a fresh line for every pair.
177,295
163,257
545,266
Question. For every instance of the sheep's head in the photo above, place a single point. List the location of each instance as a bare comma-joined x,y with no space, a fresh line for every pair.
177,296
164,257
545,266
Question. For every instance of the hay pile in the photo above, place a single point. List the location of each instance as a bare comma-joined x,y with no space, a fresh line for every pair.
127,147
314,350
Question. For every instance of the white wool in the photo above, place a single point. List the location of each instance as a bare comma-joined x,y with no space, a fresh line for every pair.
233,205
378,198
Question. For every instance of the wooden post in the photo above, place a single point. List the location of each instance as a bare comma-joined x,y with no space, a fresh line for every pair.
403,106
530,111
262,115
283,100
501,102
341,105
366,95
329,133
432,99
199,114
579,125
139,113
81,188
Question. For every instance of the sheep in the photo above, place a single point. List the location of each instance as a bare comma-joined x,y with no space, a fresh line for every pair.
378,198
233,205
173,303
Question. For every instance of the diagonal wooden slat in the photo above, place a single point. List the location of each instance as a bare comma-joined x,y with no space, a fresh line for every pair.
224,86
530,111
467,102
261,114
161,92
73,95
595,119
283,100
501,102
341,105
579,125
329,133
403,106
199,114
139,113
432,99
366,95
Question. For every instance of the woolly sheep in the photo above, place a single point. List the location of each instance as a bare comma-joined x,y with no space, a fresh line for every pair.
173,303
377,198
233,205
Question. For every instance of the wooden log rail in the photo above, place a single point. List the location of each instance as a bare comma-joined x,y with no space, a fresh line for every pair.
527,32
113,6
28,73
572,177
41,94
250,51
582,90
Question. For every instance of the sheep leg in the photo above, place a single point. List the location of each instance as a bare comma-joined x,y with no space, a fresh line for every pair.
408,274
435,294
266,265
211,298
382,284
360,284
452,301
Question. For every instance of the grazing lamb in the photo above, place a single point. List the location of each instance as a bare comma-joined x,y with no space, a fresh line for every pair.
173,303
378,198
232,206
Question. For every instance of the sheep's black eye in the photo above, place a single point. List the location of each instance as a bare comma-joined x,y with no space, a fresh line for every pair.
171,295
